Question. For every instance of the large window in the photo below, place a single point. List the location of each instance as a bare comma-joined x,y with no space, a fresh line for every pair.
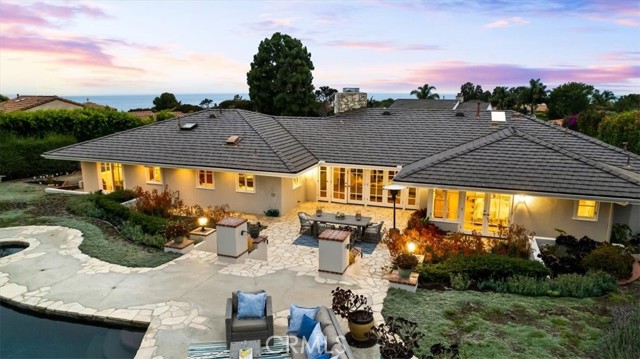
245,183
154,175
205,179
445,204
586,210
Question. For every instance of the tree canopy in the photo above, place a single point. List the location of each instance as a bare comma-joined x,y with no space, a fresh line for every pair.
325,96
166,101
424,92
470,92
569,99
280,79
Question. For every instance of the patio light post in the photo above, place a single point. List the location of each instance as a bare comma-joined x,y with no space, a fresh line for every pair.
394,189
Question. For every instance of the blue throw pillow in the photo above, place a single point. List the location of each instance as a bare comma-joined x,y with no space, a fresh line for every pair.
325,356
251,305
306,327
296,314
316,344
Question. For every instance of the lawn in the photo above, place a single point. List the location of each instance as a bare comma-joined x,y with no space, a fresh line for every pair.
493,325
26,204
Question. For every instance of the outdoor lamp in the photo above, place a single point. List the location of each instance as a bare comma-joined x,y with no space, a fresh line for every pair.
411,247
202,222
394,189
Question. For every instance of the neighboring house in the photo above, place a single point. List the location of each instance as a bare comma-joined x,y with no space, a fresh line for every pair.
150,115
473,169
35,103
457,104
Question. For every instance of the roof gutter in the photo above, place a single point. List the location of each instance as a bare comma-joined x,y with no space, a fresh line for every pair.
616,200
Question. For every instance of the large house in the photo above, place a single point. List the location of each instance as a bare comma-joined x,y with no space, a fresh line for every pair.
472,169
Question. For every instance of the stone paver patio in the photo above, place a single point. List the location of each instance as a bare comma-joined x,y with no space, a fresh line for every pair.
182,301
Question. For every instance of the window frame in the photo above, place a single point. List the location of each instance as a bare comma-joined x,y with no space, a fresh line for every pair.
596,210
205,186
239,189
148,177
445,209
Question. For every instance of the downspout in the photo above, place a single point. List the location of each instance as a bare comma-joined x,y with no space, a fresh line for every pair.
609,224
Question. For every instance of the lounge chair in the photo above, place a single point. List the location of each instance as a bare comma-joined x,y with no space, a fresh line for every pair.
373,232
247,329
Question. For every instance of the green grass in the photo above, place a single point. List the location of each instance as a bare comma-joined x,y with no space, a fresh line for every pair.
23,204
494,325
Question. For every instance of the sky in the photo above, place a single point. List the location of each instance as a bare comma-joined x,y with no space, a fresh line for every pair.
148,47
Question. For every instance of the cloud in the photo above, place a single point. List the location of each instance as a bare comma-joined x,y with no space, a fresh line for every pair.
381,46
516,20
45,15
274,25
628,22
621,56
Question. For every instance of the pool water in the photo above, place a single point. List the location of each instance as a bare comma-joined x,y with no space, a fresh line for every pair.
25,335
11,248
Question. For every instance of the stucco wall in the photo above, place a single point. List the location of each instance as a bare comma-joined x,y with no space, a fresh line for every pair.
629,215
184,181
55,105
292,197
542,215
89,176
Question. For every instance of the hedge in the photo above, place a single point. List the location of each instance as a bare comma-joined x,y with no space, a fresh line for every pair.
20,157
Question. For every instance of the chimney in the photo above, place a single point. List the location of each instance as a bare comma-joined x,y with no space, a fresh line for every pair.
349,99
478,110
18,95
459,97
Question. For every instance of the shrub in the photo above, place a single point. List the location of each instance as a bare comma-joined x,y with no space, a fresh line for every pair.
567,254
593,284
136,234
406,261
114,212
515,241
21,156
622,339
482,267
610,259
85,206
157,203
460,281
149,224
121,196
176,229
215,214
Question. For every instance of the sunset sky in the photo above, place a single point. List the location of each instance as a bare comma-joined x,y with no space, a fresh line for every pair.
146,47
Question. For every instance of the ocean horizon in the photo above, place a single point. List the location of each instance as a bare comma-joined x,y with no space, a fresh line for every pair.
129,102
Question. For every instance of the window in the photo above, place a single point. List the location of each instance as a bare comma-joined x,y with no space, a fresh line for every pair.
296,182
445,204
245,183
205,179
586,210
154,175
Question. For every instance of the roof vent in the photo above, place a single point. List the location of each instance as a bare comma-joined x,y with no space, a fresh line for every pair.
498,116
213,115
233,140
459,114
188,126
386,113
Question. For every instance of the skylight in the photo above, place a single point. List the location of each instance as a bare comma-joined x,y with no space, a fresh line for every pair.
188,126
498,116
233,140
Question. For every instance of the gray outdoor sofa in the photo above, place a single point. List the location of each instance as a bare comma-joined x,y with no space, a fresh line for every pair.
336,342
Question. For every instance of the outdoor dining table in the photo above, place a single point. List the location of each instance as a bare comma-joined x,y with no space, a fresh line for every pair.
347,220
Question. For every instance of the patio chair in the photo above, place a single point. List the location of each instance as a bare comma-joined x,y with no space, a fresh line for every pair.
373,232
305,223
247,329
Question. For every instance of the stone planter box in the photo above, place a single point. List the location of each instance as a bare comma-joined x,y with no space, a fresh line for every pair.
184,247
232,240
333,252
260,249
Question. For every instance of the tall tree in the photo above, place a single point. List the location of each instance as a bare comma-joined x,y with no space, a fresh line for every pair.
206,103
280,79
499,98
325,96
603,100
620,128
424,92
166,101
538,94
470,92
628,102
569,99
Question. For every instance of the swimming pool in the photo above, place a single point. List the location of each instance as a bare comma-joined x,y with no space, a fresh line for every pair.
9,248
29,335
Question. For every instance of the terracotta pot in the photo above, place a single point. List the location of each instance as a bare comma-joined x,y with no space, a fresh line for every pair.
404,273
360,324
178,240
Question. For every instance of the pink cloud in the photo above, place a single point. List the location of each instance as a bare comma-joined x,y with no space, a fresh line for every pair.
628,22
380,46
516,20
44,15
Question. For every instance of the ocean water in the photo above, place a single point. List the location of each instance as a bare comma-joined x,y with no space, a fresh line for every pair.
128,102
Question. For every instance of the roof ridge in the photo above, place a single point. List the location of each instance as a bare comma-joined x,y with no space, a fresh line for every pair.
457,150
279,153
601,166
582,136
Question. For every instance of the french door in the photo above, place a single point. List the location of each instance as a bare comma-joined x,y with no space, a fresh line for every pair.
111,177
339,184
356,185
485,212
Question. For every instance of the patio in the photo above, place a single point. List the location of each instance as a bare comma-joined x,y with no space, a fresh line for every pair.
184,300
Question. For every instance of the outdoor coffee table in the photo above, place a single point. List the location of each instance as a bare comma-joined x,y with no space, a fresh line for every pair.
234,348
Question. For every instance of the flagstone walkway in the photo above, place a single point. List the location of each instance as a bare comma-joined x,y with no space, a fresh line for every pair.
182,301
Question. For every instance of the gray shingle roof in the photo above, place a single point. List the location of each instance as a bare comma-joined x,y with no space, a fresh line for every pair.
265,146
416,104
513,160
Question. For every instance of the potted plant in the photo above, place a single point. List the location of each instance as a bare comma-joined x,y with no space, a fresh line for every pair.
319,211
397,338
176,231
405,262
254,229
354,308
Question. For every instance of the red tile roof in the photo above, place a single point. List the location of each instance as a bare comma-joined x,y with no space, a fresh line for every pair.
23,103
